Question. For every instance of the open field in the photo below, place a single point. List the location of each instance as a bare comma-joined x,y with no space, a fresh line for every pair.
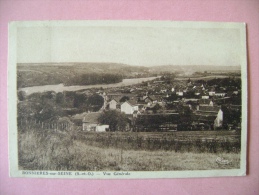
48,150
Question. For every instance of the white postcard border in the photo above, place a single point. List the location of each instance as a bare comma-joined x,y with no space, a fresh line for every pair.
12,105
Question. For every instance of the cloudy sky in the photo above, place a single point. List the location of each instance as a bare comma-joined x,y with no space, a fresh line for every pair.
132,45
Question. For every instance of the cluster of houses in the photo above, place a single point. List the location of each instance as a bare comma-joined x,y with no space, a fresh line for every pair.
163,110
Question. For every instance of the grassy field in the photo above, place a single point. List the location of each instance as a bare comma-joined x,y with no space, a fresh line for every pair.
45,150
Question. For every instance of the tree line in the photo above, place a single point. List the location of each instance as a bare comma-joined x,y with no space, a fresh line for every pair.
27,79
94,78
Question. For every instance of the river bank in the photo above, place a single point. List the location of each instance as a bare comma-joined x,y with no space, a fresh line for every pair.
61,87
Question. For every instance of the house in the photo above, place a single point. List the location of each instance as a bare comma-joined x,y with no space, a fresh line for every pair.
153,98
90,123
179,92
220,94
147,99
102,128
205,97
114,103
218,122
198,91
212,115
129,107
150,99
163,90
202,87
206,102
212,91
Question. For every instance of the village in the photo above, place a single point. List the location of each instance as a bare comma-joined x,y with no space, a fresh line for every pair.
165,104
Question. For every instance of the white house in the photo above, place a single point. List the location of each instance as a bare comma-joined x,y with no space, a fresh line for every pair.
129,107
113,104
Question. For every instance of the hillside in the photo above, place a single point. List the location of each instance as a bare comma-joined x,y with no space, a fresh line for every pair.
75,73
37,74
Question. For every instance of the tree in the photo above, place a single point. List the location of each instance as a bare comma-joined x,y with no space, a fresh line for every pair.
156,108
185,117
60,98
79,100
21,95
168,78
116,120
47,110
95,102
49,95
124,99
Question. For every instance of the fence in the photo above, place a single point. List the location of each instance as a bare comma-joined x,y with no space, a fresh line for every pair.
29,124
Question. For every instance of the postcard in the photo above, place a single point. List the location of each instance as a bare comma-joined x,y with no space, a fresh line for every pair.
127,99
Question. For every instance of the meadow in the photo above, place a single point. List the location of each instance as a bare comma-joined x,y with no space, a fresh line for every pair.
73,151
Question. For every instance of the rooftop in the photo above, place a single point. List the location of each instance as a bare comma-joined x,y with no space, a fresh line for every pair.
209,108
91,117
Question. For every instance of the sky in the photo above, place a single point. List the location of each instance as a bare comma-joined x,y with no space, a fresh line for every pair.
132,45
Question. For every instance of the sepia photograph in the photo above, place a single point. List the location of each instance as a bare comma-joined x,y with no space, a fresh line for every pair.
127,99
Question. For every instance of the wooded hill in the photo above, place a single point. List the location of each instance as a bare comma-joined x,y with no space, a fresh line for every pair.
36,74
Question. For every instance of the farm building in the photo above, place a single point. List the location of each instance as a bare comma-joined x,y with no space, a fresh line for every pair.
90,123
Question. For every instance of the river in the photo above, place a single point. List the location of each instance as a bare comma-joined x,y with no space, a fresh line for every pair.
60,87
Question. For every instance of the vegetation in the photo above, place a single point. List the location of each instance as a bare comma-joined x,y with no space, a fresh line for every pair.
48,150
168,78
187,141
44,106
223,82
94,78
76,73
117,121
